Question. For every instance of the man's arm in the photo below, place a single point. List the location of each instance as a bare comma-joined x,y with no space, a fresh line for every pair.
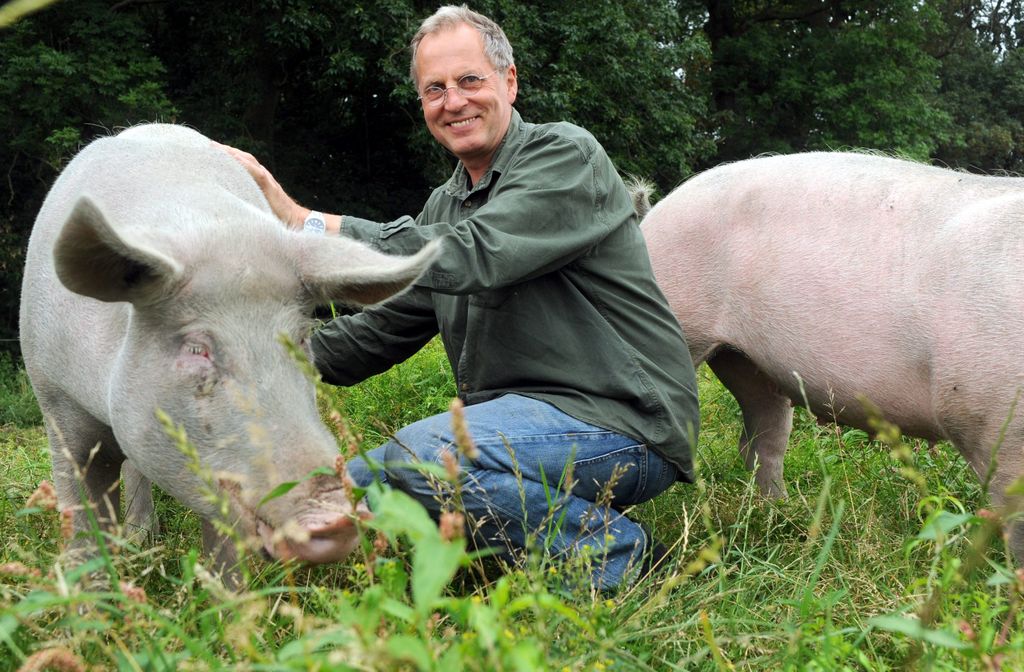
550,206
350,349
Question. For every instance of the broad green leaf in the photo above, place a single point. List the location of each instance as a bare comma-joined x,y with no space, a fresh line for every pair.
397,513
434,564
943,523
287,486
412,649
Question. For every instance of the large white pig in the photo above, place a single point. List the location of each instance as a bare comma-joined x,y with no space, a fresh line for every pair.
825,276
157,278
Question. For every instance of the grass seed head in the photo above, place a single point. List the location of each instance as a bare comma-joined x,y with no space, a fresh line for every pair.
45,497
462,438
67,517
19,569
57,659
451,525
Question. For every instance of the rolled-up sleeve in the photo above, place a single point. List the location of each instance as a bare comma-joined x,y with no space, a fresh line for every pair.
544,211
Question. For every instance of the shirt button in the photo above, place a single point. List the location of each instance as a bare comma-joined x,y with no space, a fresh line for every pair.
464,387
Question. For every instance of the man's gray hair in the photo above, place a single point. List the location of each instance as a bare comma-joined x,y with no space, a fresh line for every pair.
496,45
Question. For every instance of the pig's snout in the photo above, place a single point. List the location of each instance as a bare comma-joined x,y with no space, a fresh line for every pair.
315,537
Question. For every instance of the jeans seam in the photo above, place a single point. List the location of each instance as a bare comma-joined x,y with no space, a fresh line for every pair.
606,456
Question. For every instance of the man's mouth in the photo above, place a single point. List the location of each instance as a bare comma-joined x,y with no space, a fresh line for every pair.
462,122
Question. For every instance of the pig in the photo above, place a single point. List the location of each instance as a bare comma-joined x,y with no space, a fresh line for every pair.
829,278
158,279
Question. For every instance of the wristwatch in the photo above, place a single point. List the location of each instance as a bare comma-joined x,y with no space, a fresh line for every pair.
314,223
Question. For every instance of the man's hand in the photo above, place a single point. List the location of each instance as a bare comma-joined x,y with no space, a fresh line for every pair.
290,212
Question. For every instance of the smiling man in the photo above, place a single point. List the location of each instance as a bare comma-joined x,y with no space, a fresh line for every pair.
563,348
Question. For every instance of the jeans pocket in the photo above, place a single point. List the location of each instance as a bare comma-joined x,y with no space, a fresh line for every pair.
616,478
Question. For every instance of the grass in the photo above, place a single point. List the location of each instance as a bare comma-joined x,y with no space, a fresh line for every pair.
868,565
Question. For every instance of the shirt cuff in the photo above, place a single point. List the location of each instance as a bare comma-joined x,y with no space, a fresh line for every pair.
396,237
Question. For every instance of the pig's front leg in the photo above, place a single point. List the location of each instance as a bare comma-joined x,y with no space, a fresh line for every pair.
222,551
86,473
140,521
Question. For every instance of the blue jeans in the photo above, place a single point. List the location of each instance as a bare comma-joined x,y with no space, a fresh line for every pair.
510,492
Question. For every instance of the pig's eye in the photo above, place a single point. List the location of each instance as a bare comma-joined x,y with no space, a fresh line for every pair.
197,350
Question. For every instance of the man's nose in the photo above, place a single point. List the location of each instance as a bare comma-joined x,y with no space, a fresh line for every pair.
453,99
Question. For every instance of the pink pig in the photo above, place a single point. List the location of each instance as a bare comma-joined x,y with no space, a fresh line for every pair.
157,279
825,278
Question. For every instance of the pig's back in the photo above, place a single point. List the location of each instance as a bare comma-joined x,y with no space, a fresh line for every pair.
860,273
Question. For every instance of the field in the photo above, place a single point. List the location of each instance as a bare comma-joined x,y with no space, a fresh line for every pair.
883,557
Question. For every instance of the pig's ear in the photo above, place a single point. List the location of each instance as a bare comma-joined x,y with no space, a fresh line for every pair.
94,260
344,270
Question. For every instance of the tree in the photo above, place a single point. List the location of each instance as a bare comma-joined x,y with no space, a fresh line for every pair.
981,47
67,74
810,74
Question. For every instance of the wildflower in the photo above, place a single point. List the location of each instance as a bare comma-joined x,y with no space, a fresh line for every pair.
341,469
451,465
351,440
380,543
45,497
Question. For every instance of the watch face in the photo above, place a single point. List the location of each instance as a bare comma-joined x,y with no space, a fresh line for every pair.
314,225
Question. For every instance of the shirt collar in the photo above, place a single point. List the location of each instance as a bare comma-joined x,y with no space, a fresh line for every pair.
456,186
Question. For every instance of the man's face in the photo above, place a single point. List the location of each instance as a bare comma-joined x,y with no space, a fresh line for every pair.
470,127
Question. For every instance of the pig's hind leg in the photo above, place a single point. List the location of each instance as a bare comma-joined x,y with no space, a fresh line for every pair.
767,417
999,438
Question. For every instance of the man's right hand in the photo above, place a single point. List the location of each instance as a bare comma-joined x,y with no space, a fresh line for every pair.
289,212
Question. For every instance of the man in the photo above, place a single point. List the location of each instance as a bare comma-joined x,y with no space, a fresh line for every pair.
563,348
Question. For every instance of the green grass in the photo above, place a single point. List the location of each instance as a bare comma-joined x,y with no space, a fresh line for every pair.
868,565
17,404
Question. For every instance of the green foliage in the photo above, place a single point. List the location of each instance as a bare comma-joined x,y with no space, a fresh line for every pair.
67,74
790,77
984,94
319,91
619,69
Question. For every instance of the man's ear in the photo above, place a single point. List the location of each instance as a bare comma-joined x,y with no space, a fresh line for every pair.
512,82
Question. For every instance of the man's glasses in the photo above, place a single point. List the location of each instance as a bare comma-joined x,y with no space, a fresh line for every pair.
468,85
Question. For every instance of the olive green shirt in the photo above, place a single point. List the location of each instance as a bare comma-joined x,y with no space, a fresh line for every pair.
543,288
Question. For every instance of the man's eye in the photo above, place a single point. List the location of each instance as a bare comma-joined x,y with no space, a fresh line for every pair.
470,80
433,94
